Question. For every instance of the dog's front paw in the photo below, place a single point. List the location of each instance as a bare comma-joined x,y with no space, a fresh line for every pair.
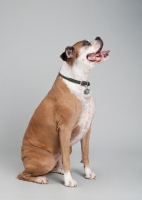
69,182
89,174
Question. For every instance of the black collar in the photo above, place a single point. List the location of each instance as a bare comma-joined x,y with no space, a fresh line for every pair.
83,83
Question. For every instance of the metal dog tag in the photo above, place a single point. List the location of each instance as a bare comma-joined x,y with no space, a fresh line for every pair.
86,91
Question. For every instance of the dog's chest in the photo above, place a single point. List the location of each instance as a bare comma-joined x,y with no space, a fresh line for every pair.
84,122
88,110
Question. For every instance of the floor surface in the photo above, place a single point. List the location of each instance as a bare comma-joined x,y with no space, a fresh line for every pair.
118,178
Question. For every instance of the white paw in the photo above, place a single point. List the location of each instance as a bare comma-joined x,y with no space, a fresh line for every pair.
69,182
89,174
41,180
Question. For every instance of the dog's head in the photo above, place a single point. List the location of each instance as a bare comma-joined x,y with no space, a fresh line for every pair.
85,52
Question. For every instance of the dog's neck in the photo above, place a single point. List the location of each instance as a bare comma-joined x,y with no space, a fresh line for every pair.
78,72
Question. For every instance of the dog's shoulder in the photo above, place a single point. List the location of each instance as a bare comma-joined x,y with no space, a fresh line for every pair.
66,104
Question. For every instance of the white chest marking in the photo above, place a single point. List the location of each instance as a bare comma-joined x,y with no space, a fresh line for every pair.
79,71
88,110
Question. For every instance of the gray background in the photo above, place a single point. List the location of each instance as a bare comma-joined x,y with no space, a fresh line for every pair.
33,34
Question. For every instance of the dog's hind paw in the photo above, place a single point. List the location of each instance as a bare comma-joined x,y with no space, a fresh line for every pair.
41,180
57,170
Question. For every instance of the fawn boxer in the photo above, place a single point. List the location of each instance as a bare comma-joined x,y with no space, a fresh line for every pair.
63,117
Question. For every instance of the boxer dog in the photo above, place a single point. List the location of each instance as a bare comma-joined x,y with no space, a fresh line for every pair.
63,118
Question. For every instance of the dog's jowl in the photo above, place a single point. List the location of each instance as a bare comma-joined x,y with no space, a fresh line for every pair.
63,118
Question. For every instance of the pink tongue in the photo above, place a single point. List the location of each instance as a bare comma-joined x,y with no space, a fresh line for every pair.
98,56
102,53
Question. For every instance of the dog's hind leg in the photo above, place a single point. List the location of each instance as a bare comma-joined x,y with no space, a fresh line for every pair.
37,163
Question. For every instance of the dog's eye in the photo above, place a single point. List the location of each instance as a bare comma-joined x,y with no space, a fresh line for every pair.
86,43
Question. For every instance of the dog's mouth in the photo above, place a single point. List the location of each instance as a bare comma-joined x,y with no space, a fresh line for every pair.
98,56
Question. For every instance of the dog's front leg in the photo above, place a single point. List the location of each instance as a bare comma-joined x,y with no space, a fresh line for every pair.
65,135
85,156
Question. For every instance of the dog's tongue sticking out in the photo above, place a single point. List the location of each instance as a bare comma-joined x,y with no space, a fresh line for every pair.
98,56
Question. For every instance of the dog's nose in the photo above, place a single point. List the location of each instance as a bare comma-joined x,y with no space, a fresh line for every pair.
98,38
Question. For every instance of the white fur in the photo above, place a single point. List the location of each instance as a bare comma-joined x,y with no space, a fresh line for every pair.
69,182
88,110
87,50
88,103
41,180
89,174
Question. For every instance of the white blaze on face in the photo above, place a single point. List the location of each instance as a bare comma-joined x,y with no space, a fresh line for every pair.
85,50
84,56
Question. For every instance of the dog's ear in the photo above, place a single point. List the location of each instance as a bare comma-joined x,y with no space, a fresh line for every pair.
63,56
68,54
